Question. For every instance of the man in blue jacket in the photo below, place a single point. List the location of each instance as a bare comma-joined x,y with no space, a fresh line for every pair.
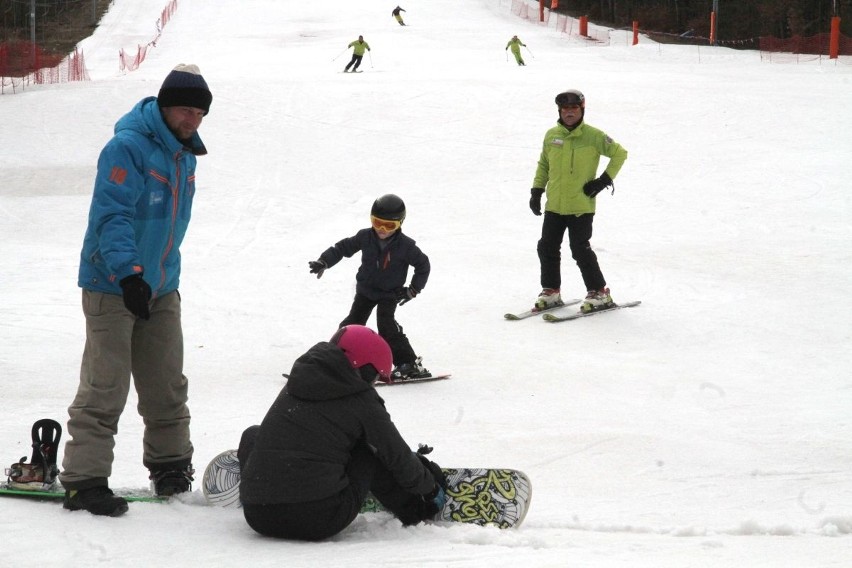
129,273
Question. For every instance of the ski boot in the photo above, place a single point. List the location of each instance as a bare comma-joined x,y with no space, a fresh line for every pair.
597,300
41,472
548,298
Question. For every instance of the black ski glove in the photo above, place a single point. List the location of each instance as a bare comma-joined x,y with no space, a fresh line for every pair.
433,468
435,500
595,186
317,267
405,295
136,294
535,200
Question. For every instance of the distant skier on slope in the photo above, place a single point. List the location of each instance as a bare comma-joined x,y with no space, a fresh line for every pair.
516,44
396,14
358,47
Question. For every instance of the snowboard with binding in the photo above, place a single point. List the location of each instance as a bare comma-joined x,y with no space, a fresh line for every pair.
478,496
555,318
393,382
38,479
535,312
56,493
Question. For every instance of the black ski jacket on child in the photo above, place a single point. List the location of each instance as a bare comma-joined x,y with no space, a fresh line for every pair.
306,439
383,270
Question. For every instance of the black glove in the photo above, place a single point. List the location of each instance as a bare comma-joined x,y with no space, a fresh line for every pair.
405,295
595,186
433,468
417,508
535,200
136,294
435,500
317,267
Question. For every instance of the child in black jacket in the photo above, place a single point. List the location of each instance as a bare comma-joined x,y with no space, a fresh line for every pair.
386,254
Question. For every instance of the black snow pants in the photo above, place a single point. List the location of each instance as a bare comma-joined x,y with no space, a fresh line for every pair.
579,234
386,323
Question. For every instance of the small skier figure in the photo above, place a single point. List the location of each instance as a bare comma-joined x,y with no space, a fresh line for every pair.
358,47
396,14
386,254
516,44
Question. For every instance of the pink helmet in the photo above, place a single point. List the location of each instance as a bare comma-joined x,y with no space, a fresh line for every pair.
363,346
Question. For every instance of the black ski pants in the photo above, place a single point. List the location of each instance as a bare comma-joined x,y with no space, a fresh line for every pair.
579,234
324,518
356,59
388,328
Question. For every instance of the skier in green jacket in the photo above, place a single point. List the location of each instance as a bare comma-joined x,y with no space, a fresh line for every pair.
568,168
358,47
516,44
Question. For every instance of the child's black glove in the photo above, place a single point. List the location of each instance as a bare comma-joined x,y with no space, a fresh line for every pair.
317,267
405,295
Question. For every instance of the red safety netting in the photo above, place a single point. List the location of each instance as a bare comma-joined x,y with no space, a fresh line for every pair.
126,62
24,63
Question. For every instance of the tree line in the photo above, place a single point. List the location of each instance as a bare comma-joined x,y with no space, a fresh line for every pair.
736,19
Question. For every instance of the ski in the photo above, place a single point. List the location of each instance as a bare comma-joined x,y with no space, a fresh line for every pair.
535,312
554,318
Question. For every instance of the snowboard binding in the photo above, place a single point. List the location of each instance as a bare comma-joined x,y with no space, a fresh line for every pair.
41,472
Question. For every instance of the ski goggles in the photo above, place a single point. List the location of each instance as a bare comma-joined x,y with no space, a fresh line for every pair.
386,225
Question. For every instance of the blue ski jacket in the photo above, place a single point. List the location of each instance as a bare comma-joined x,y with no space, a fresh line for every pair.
141,204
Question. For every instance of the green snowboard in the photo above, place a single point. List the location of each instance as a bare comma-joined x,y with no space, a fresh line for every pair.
57,494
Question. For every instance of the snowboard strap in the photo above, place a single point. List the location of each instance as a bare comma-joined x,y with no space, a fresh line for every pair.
42,470
46,434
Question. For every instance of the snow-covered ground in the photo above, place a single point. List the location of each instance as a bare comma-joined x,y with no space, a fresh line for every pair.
712,426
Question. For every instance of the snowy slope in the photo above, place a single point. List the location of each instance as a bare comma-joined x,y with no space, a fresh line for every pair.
709,427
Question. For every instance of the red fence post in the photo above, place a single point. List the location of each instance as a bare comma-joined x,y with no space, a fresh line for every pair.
712,28
540,10
584,26
834,41
635,32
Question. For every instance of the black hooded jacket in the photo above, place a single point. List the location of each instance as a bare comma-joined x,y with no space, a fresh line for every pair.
306,439
383,268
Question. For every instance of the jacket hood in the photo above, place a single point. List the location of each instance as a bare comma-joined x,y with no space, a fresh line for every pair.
324,373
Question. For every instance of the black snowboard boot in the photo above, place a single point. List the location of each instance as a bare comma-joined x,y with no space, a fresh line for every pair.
170,481
98,500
